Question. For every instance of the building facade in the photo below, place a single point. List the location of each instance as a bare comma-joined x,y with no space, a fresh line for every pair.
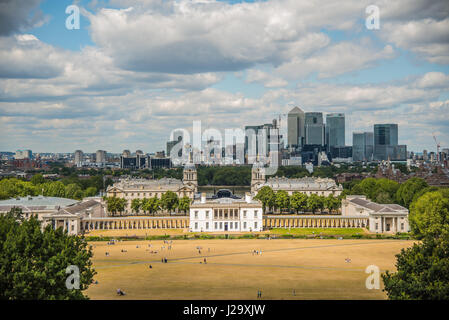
295,127
306,185
130,189
226,214
382,218
314,128
335,130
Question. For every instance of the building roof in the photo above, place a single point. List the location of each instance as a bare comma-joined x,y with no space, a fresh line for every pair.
76,209
306,183
376,207
33,203
149,185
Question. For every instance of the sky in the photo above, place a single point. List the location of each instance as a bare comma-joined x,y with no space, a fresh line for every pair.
136,70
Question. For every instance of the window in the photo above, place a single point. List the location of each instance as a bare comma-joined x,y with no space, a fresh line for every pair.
244,213
196,225
377,226
402,226
73,227
230,225
221,225
225,213
236,225
244,225
207,214
255,214
216,225
255,225
207,225
196,214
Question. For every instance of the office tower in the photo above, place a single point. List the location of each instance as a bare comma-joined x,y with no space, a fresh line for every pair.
100,156
295,127
362,146
314,128
386,142
23,154
335,130
260,141
79,155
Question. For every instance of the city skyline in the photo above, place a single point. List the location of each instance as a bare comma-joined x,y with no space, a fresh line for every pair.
62,90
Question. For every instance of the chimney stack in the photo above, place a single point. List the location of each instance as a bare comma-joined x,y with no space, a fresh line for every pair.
203,197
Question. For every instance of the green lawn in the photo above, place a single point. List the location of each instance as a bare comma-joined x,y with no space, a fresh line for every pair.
318,231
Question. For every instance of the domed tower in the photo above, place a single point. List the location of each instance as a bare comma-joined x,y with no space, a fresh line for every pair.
257,177
190,176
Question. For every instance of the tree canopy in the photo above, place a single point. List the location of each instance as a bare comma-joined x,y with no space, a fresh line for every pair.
33,262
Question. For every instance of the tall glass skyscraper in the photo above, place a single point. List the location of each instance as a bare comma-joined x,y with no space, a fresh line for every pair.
385,139
314,128
335,130
362,146
295,127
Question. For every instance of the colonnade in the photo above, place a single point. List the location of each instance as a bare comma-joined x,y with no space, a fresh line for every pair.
88,224
314,222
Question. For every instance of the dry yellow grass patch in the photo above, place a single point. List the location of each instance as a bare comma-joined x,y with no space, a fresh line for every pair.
315,269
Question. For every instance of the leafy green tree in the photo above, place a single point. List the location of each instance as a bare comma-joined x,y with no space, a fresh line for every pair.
169,201
422,272
407,190
151,205
266,196
429,215
313,202
56,189
90,192
33,262
73,191
298,201
136,205
390,187
383,197
37,179
332,203
115,204
184,204
282,200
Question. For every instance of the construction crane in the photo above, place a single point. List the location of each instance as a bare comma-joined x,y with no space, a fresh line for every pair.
438,147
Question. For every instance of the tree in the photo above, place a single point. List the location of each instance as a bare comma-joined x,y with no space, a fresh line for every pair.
115,205
56,189
73,191
184,204
136,205
408,189
332,203
313,202
266,196
37,179
298,201
151,205
90,192
169,200
429,215
422,272
282,200
33,261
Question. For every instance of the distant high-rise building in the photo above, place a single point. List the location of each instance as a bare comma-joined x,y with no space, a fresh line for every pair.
386,143
362,146
79,157
314,128
23,154
295,127
100,156
335,130
265,139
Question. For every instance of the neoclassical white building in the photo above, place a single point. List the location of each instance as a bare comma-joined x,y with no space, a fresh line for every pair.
130,189
382,218
307,185
225,212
